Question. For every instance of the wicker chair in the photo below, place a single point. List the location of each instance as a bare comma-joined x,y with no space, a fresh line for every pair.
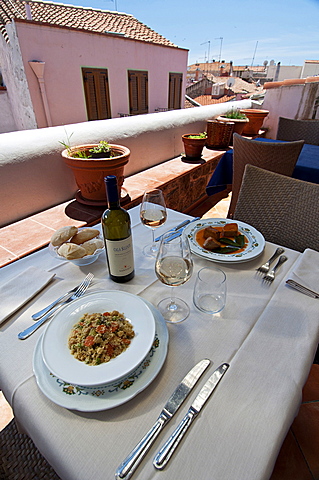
279,157
290,129
283,209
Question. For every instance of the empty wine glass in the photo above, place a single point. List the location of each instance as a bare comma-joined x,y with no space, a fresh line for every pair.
153,214
173,267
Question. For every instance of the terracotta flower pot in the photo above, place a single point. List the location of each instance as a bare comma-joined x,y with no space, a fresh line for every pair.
256,119
89,173
193,146
219,134
239,123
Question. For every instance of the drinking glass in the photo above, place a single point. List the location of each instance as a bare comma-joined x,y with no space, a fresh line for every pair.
210,290
153,214
173,267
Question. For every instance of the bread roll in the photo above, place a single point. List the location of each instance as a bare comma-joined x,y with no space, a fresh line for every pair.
92,245
63,235
70,251
85,235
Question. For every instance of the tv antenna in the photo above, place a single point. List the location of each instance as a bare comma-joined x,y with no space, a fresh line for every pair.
208,41
252,62
220,50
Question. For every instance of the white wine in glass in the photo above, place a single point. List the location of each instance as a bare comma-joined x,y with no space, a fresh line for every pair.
153,214
174,267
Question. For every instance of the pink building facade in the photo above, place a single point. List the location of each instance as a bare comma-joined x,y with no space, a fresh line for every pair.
53,93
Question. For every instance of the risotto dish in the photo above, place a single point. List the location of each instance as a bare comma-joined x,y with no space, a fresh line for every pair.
99,337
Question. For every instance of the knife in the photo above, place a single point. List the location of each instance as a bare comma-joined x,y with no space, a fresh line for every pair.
179,232
302,288
132,461
183,224
167,450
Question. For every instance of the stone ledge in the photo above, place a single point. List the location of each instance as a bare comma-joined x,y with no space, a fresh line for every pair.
182,182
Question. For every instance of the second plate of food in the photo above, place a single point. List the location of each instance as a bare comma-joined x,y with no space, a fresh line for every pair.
75,341
224,240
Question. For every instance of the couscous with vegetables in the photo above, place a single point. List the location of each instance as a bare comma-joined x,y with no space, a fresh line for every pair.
99,337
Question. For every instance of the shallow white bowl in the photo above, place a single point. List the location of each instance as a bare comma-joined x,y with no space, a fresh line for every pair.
61,363
87,260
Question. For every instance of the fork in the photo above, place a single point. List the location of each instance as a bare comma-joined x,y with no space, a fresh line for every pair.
79,292
40,314
270,277
266,266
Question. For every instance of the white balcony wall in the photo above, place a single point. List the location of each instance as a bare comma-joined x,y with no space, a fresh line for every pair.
290,101
34,176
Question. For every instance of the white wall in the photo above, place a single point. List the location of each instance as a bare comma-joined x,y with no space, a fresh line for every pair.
15,80
34,176
310,69
294,101
7,123
283,72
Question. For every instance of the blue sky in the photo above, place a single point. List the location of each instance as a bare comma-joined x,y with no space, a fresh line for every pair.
246,32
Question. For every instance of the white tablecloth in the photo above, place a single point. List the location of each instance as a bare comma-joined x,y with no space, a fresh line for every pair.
268,334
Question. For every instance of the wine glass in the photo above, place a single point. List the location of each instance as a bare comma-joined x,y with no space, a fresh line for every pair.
153,214
173,267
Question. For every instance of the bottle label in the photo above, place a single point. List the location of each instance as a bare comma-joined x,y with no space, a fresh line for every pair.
120,256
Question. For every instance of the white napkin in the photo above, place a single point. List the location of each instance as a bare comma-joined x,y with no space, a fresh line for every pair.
306,271
20,289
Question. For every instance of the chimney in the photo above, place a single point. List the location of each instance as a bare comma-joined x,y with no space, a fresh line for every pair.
28,11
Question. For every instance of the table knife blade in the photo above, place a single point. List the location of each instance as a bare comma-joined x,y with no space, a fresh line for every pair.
132,461
302,288
179,232
165,453
180,225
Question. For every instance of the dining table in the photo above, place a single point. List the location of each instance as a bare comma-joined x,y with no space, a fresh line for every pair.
267,333
306,168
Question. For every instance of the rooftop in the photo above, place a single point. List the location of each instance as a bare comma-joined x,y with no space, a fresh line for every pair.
83,18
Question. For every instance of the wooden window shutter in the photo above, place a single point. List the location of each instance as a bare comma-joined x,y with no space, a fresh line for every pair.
96,91
175,91
138,92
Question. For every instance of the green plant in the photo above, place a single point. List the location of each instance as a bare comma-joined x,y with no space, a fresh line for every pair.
235,114
102,150
200,135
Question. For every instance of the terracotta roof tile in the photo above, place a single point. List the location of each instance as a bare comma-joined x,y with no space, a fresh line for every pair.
208,100
84,18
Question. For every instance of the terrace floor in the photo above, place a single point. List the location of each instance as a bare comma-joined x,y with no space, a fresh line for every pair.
298,458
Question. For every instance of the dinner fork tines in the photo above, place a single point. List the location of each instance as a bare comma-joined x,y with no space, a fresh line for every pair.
266,266
79,292
270,277
42,312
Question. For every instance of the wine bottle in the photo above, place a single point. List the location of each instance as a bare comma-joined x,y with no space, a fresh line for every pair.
116,224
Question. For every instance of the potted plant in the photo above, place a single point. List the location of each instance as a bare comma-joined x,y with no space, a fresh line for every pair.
194,144
219,134
256,119
91,163
237,117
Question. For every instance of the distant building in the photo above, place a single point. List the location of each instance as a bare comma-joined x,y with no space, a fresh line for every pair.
64,64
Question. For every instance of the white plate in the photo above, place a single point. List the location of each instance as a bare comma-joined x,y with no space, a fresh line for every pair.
255,246
60,361
95,399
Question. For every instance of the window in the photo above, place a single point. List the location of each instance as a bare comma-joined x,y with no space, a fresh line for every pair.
96,89
138,92
175,90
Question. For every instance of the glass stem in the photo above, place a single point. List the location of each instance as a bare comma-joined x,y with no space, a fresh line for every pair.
153,246
172,305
